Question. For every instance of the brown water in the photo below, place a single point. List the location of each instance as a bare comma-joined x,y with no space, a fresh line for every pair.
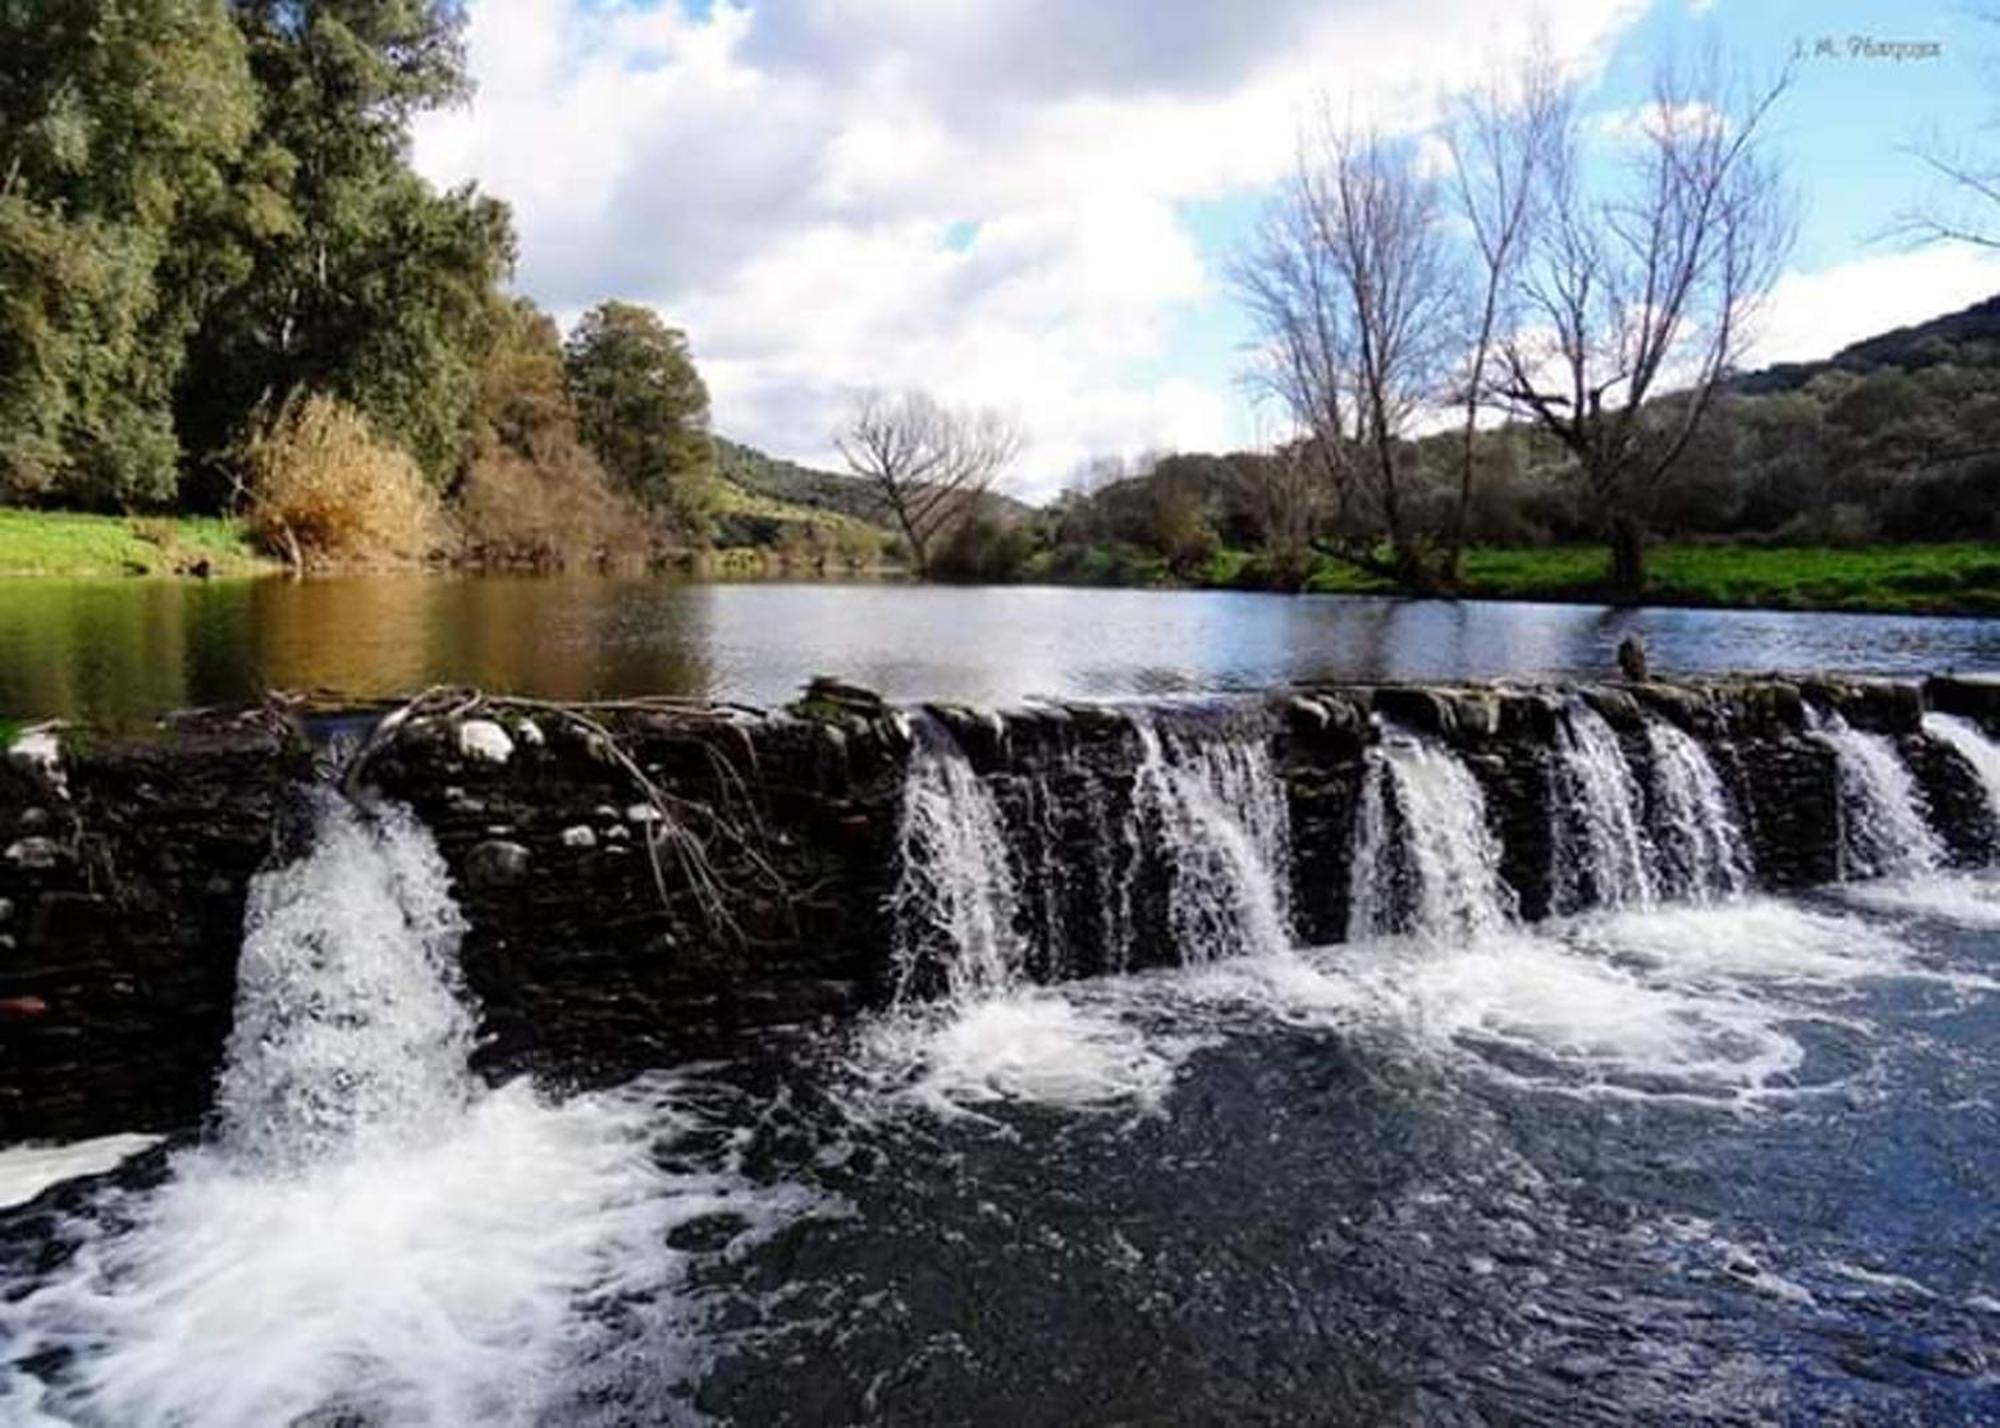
121,649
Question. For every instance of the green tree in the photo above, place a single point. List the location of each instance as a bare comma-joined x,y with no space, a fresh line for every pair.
119,121
348,273
642,407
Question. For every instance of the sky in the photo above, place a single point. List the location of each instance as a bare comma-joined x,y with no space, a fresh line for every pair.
1034,204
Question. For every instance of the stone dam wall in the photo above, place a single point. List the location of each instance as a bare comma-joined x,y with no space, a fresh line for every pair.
649,883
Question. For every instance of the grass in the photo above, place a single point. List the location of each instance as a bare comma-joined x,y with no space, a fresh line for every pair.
1931,579
1961,579
65,543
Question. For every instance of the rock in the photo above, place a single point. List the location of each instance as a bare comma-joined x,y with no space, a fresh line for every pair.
34,853
1423,711
1477,713
6,911
829,698
530,734
1632,659
23,1008
40,751
485,741
581,835
496,862
642,813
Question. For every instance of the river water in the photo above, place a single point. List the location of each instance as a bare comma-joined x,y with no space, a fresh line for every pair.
1690,1153
118,649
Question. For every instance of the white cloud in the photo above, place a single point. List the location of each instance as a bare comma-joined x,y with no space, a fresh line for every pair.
1653,119
779,179
1813,315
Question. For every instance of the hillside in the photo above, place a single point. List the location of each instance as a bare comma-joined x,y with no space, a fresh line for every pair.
789,482
1970,335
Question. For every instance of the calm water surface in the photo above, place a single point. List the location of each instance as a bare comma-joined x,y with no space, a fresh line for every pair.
110,649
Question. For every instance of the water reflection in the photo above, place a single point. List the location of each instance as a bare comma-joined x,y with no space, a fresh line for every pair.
116,649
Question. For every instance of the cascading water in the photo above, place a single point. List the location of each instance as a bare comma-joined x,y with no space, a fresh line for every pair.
370,1236
351,1032
956,915
1218,811
1885,830
1603,856
1702,849
1982,753
956,905
1424,861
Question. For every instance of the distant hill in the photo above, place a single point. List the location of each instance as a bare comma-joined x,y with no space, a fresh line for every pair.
1971,335
777,479
780,480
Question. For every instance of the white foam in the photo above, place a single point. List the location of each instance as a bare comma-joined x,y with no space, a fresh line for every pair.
1710,1003
1748,941
27,1170
1971,900
437,1284
1028,1047
372,1236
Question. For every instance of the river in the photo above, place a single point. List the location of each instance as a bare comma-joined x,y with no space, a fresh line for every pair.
119,649
1690,1152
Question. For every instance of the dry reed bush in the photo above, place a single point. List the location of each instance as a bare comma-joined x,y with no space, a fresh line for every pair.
323,488
547,509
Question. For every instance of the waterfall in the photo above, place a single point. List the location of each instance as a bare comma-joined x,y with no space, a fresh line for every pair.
350,1030
370,1235
1702,849
1424,859
1223,827
956,904
1982,753
1602,853
1885,830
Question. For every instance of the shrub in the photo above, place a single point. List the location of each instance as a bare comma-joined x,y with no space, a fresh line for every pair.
324,488
558,510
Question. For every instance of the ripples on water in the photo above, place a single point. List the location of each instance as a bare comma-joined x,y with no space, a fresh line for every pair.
1733,1163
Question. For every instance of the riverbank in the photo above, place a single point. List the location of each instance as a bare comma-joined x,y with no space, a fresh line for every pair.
70,544
1962,579
1959,579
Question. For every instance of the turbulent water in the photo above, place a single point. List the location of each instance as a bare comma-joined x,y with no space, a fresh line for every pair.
1424,860
1605,857
1218,811
1884,828
369,1236
1691,1154
1703,852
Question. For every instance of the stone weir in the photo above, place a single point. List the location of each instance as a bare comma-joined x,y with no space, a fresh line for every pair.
649,882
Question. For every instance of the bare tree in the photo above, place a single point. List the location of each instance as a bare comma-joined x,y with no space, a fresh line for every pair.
1350,287
1644,289
1285,499
1965,208
930,464
1498,137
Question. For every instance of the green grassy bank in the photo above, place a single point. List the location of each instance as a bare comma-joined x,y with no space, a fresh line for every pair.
1918,579
1933,579
65,543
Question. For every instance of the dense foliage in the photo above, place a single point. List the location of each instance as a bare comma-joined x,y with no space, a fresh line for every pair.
1894,439
208,216
643,408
